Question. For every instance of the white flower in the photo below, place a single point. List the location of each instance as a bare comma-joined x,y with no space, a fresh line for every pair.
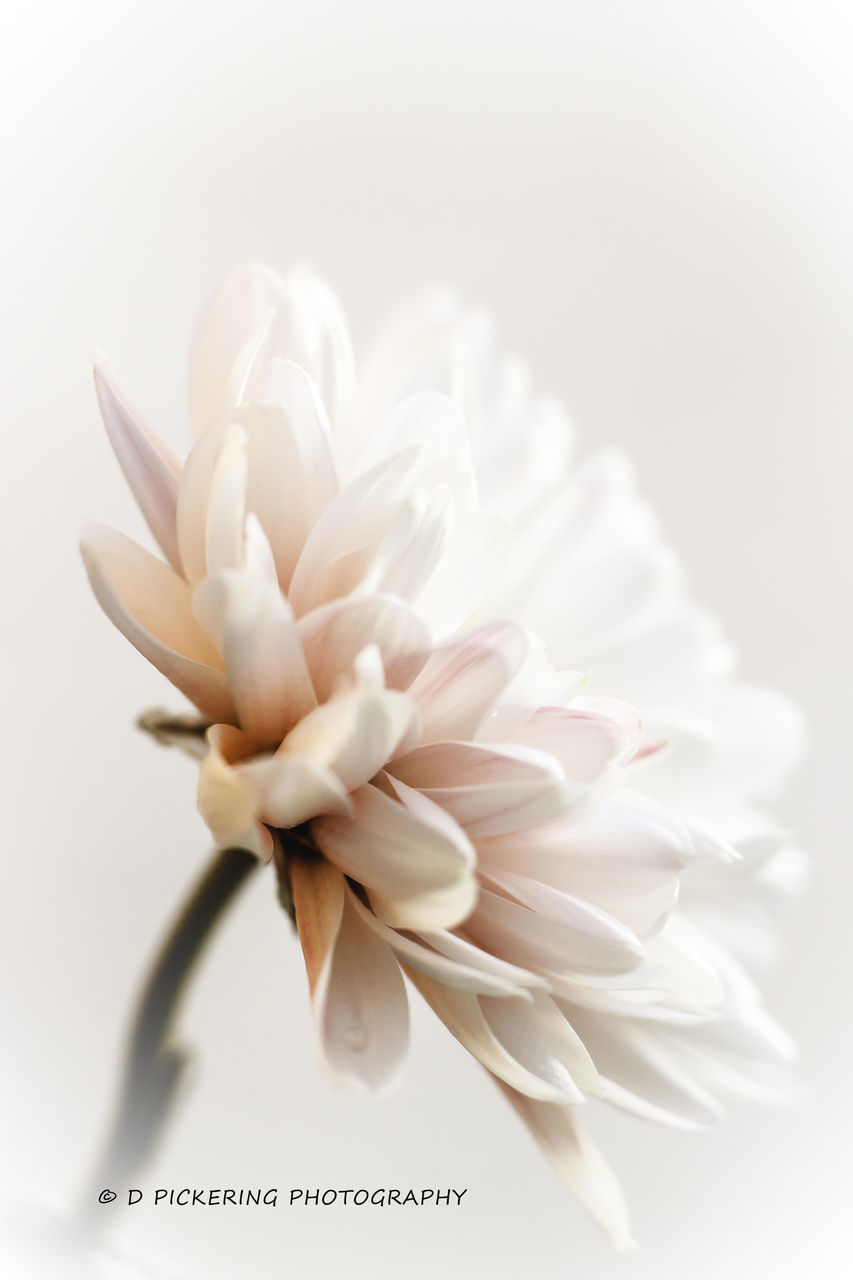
362,579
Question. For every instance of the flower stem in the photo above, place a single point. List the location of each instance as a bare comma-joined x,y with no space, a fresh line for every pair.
155,1064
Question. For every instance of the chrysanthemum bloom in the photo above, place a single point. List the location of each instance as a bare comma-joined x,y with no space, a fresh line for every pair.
361,577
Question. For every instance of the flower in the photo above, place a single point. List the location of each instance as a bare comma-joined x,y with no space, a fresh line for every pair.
366,583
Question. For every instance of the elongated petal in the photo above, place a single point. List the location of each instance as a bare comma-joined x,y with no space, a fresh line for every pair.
148,466
489,790
150,605
574,935
463,679
578,1161
227,802
228,321
266,668
482,979
411,855
536,1071
471,564
360,1001
334,635
585,737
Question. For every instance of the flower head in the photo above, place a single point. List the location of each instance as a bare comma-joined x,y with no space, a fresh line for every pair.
361,577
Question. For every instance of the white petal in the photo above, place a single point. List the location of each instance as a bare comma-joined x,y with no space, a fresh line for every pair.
475,556
578,1161
150,605
416,863
266,668
481,978
149,468
291,790
463,679
228,321
540,1075
555,933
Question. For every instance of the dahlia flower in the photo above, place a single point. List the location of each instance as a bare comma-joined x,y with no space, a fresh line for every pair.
451,682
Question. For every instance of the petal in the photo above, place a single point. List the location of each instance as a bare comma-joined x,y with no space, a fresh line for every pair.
586,737
291,790
489,790
149,468
251,620
475,556
359,997
480,978
537,1071
578,1161
417,864
227,802
463,679
290,477
557,933
334,635
150,605
228,321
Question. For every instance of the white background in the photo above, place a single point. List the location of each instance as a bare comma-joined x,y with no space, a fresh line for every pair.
656,201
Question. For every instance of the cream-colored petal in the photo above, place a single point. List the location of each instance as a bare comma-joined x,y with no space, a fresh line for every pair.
228,802
266,668
150,605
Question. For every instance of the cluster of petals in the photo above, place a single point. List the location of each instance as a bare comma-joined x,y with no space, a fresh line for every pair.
457,675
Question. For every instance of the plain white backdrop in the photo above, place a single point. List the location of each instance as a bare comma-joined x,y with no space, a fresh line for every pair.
656,201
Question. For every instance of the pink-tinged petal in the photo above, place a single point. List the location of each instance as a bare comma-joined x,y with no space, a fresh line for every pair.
582,939
290,480
463,679
360,1004
624,855
506,1039
334,635
465,953
478,977
417,865
413,545
586,937
489,790
344,538
150,605
148,466
578,1161
227,801
230,318
585,737
291,790
266,668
